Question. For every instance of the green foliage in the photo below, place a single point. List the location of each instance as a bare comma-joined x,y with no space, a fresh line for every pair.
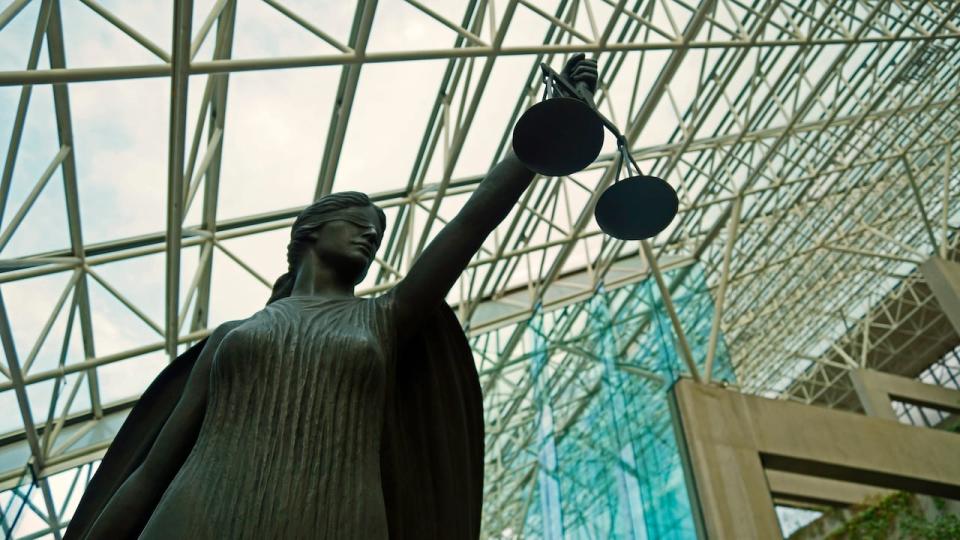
898,515
876,522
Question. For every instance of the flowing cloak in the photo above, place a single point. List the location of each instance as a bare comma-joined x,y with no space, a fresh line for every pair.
431,450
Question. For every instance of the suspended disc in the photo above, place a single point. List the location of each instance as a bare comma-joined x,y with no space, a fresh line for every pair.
558,136
637,208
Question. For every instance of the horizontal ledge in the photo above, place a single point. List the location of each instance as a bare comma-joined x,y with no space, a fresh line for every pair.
871,477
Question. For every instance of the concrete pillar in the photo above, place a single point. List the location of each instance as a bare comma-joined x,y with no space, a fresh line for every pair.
943,278
875,390
875,400
729,488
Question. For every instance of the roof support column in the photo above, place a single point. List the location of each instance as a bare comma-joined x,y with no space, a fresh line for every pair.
218,85
182,15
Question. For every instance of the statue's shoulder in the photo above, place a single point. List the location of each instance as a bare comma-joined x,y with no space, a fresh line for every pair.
222,330
226,327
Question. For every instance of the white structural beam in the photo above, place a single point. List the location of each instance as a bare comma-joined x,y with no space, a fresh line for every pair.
216,91
182,19
343,105
51,76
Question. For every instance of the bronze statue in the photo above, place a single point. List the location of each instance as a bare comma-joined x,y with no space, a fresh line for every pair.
323,415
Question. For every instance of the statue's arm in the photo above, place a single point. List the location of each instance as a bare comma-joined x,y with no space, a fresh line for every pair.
133,503
447,256
438,267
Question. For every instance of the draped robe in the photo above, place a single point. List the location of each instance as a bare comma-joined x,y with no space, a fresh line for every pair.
320,422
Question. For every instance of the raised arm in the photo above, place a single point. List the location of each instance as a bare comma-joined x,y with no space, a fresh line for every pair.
448,254
132,505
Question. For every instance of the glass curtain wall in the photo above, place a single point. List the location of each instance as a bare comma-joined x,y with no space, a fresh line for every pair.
612,469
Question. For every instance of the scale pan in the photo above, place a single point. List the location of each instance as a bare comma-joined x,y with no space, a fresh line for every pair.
558,136
637,208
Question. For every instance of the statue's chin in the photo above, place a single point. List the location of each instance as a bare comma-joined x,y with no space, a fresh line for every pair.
360,277
349,265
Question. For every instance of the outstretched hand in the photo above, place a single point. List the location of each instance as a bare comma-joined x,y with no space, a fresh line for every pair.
580,69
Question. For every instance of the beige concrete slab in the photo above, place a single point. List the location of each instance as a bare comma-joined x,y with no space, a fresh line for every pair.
731,439
943,278
872,386
786,486
854,447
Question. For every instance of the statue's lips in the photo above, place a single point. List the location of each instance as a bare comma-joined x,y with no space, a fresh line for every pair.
367,248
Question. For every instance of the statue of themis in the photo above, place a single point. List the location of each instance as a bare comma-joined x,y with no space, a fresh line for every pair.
323,415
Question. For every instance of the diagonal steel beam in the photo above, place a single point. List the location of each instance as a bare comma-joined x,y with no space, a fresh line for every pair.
127,29
11,11
13,148
732,229
218,114
918,198
61,103
343,105
38,458
631,133
20,388
17,219
290,14
877,98
460,133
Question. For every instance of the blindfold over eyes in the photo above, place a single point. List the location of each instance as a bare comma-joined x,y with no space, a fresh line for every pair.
358,216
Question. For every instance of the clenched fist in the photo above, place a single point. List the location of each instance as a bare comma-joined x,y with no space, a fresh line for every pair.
581,73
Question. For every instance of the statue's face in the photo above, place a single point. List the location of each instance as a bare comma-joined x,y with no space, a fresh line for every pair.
348,244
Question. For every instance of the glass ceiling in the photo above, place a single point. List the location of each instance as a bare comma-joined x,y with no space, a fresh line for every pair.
813,144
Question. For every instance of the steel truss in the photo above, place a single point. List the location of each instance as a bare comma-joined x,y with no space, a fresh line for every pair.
814,159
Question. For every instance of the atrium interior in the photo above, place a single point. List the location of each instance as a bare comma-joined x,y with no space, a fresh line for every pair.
781,361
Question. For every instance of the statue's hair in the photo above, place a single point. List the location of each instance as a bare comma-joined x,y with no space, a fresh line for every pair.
310,219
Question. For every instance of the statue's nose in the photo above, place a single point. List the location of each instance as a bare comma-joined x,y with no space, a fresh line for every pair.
370,235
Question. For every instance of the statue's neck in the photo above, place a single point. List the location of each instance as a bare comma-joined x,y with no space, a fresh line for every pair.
314,278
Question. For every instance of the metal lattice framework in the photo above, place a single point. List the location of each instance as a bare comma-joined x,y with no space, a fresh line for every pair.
812,143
